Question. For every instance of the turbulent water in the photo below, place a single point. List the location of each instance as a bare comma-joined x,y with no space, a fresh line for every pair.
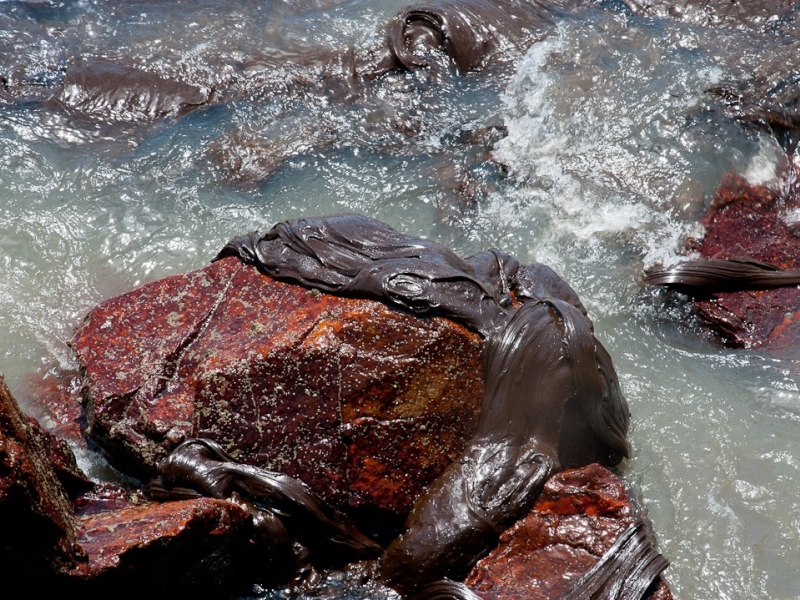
613,151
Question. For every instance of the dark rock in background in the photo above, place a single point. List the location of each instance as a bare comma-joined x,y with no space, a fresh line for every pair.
577,518
755,14
364,403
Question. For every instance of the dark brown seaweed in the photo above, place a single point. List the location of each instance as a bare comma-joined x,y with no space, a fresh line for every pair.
279,503
357,256
543,359
107,90
625,572
445,590
722,275
470,32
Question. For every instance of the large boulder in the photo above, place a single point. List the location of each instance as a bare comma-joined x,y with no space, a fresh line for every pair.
576,519
365,403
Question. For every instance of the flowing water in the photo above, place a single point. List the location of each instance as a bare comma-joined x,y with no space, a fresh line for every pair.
613,151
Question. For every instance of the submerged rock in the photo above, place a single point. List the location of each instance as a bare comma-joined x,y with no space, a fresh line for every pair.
755,14
104,90
364,403
576,519
470,33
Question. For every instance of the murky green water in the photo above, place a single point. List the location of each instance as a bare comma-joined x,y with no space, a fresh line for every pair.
614,151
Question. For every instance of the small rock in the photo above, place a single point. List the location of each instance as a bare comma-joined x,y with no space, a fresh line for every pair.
39,532
575,520
763,223
157,549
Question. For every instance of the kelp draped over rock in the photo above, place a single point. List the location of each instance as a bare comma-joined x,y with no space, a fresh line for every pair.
543,385
729,275
354,255
552,397
744,285
358,256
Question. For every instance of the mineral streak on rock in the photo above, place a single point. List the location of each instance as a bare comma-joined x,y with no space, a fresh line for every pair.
751,300
576,519
285,378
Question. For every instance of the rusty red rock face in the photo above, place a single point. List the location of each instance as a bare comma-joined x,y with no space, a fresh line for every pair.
577,518
70,534
148,544
762,223
364,403
39,534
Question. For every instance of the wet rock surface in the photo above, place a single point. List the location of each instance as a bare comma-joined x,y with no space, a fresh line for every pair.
71,534
39,534
53,399
760,222
364,403
158,548
231,352
575,520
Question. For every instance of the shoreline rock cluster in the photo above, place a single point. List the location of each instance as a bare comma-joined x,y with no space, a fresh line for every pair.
365,402
69,533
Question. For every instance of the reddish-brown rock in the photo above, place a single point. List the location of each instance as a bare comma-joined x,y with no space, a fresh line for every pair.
156,549
577,518
53,399
365,403
39,533
71,535
763,223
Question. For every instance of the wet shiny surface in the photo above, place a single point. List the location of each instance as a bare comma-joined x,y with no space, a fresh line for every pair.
614,151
